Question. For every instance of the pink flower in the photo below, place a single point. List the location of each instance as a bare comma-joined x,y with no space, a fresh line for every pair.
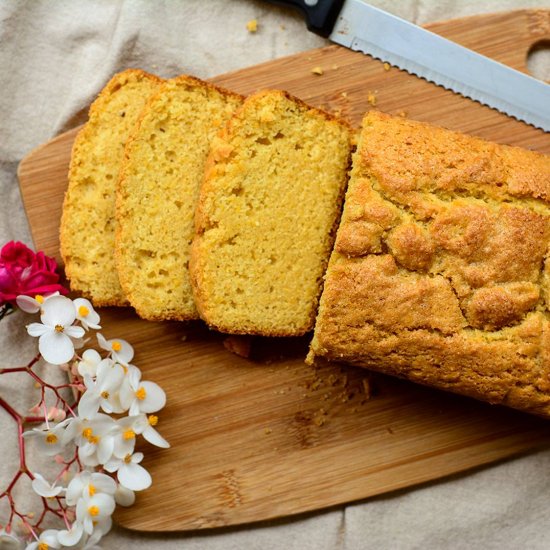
24,272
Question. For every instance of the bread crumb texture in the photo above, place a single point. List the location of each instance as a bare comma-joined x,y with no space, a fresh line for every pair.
267,214
157,194
87,231
440,272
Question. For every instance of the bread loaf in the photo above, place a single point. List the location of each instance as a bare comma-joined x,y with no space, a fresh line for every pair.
440,271
266,216
87,231
157,193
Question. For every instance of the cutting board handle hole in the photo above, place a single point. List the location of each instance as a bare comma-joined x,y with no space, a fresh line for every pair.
538,60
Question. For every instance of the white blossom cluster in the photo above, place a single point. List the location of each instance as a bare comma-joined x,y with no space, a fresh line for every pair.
110,470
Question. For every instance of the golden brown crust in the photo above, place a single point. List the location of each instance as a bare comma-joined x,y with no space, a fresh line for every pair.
73,227
439,273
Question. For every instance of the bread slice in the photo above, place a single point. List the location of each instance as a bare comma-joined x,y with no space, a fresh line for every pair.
266,216
440,272
87,231
157,193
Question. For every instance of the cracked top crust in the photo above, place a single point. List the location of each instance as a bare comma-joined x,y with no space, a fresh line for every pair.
439,272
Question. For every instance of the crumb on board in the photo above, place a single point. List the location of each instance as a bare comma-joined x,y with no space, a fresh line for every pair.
317,70
252,25
267,431
387,66
344,94
403,114
372,99
239,345
335,67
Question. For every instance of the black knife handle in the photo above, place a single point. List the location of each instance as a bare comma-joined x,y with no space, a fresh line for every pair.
320,15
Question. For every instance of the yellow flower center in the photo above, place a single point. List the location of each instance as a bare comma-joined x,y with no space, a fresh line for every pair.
129,434
42,546
51,439
83,311
58,328
128,458
93,511
116,346
39,298
153,420
141,394
125,369
88,434
91,490
105,394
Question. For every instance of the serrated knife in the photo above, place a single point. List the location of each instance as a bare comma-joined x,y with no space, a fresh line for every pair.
361,27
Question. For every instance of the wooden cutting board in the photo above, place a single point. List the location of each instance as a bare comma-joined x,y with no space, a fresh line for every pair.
265,437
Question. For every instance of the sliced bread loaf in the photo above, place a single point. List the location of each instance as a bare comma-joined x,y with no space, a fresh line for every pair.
266,216
157,193
87,226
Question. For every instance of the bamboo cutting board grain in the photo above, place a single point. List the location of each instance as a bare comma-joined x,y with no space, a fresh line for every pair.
266,437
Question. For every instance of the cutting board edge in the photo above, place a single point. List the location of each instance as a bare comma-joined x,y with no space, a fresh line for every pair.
292,516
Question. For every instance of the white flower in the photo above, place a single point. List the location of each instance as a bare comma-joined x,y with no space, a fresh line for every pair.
50,439
125,436
56,330
87,484
47,539
93,437
89,363
32,305
121,351
94,509
141,397
101,527
72,536
124,496
43,488
86,313
8,541
130,474
103,392
144,425
84,486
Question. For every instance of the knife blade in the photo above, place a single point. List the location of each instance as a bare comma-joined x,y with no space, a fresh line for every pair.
362,27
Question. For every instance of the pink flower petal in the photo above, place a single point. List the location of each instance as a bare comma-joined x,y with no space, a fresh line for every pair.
27,304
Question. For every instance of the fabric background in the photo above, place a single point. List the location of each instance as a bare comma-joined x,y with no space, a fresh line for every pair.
54,58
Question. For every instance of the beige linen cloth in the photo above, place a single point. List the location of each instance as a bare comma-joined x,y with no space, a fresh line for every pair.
54,58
